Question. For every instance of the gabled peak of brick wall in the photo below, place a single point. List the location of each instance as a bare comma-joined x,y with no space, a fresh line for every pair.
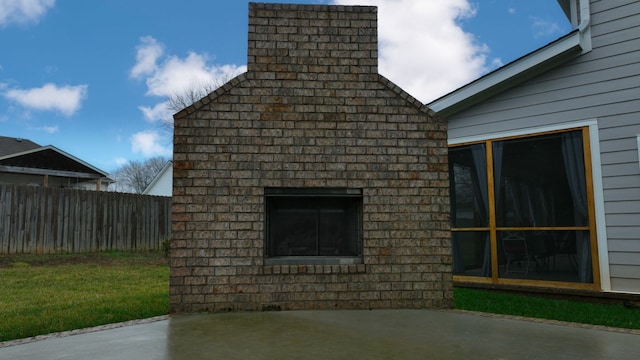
312,39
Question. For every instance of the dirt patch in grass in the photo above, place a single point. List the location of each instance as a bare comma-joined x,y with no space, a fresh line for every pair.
100,258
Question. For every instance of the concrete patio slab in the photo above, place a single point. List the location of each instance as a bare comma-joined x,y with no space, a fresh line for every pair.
359,334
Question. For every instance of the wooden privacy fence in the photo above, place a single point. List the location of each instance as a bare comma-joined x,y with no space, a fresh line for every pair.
53,220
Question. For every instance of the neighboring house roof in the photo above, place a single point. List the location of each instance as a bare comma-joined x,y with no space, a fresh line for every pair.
536,62
155,186
26,157
9,145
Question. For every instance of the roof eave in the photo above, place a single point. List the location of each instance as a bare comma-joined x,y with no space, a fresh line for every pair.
524,68
51,147
51,172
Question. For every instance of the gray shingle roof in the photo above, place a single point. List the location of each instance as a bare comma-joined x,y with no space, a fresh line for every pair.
9,145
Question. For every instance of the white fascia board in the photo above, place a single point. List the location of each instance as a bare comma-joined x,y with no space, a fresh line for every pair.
508,75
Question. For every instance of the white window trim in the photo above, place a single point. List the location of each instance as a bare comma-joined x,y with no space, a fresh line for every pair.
596,174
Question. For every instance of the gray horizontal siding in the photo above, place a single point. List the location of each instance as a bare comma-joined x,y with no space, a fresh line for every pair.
624,219
624,258
619,169
622,157
622,207
625,271
612,128
625,284
613,16
603,84
619,182
625,233
599,6
622,195
622,144
622,245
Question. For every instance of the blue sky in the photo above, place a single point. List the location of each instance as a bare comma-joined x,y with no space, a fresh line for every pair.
92,77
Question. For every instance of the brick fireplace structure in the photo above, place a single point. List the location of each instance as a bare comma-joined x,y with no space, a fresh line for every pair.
310,181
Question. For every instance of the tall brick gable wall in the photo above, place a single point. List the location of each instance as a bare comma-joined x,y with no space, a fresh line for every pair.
311,112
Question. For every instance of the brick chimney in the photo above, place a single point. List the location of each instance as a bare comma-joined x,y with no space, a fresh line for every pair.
310,181
317,41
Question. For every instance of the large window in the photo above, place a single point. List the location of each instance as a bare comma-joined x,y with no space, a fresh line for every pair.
313,225
520,209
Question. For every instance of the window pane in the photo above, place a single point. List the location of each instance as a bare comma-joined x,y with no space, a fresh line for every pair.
294,225
545,255
335,230
468,186
471,253
540,181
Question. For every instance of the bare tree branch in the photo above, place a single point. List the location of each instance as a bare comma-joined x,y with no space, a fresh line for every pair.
135,176
179,101
190,95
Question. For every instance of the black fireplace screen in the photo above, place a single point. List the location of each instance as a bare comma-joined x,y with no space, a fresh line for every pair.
313,222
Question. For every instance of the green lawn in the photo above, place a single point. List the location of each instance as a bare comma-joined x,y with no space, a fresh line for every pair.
615,315
45,294
50,293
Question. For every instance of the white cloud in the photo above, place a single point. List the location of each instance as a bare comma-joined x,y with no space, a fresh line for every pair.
148,53
47,129
170,75
511,11
423,49
148,143
544,28
119,161
496,63
23,11
50,97
159,112
179,75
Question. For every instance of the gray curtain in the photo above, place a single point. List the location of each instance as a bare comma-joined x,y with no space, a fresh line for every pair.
573,157
480,196
458,263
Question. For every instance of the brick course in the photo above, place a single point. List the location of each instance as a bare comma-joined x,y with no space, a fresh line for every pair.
311,111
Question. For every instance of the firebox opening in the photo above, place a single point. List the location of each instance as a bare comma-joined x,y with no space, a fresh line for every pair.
313,226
